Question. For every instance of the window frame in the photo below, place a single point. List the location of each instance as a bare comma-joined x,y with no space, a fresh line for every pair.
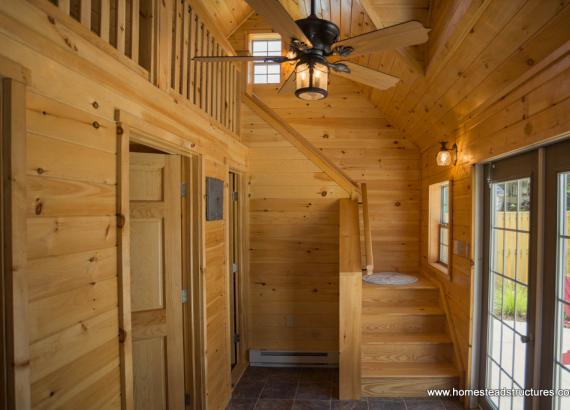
267,38
437,225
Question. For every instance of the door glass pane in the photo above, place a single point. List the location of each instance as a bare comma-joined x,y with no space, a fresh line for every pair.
562,324
508,289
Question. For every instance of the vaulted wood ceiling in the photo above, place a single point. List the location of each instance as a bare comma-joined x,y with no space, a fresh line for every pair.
478,50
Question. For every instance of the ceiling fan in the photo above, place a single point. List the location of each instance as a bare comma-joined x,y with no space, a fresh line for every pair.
316,51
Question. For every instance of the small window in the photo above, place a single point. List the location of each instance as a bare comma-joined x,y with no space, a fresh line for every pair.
266,73
439,228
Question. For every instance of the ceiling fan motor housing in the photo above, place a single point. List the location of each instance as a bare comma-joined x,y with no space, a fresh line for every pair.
321,33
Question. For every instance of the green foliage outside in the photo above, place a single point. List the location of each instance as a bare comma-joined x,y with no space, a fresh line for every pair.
505,299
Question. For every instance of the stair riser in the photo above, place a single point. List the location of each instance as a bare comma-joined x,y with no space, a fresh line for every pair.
405,386
376,325
405,297
417,353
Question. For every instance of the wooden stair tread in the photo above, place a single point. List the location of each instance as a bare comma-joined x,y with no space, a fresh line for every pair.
405,369
402,310
406,338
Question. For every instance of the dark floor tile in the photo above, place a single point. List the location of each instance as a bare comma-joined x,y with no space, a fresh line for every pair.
450,404
255,374
315,390
349,405
424,404
274,404
247,390
311,405
318,374
279,390
375,403
284,374
242,404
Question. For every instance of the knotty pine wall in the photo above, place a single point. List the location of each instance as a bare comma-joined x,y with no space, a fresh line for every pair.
349,130
294,215
293,252
534,108
73,93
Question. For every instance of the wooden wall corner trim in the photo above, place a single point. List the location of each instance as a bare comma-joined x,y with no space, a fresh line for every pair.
14,144
123,268
301,143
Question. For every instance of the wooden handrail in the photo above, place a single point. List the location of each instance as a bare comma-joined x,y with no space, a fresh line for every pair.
367,232
350,301
296,139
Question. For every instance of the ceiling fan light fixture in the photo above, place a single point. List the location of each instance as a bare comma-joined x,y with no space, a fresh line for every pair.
312,79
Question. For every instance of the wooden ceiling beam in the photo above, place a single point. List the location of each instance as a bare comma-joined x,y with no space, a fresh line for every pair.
406,54
301,143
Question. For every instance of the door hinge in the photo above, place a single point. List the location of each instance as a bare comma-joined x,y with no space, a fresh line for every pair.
235,196
184,295
237,338
187,399
183,189
234,268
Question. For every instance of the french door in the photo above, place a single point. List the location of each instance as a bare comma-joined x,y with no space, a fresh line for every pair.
509,280
526,279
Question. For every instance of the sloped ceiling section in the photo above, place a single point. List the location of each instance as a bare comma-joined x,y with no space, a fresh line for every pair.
477,50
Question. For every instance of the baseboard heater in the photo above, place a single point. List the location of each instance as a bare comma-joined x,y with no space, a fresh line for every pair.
276,358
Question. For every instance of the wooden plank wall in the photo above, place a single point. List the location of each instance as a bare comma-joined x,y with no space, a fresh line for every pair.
72,256
73,94
217,337
533,109
293,253
368,149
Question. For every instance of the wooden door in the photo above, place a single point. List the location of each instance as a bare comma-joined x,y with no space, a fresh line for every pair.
156,278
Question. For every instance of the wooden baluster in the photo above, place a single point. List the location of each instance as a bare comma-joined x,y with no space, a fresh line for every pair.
105,14
218,98
205,69
64,6
177,32
224,92
86,13
198,66
135,15
185,44
192,50
121,23
164,44
367,232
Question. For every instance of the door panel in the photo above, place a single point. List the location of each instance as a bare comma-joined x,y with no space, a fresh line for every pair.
156,276
556,311
509,278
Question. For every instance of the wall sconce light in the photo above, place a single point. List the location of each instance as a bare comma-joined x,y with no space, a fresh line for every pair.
446,156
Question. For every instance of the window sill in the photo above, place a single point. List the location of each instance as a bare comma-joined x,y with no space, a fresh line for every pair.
442,268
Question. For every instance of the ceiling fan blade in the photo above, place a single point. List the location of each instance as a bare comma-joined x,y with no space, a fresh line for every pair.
398,36
263,59
288,86
274,12
368,76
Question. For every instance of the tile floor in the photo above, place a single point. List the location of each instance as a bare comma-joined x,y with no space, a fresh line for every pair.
313,389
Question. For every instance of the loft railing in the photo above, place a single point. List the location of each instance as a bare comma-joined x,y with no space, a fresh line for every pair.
157,39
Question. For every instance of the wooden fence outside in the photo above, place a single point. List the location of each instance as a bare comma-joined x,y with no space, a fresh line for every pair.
515,251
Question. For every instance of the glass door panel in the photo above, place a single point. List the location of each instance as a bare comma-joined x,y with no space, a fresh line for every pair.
562,322
507,331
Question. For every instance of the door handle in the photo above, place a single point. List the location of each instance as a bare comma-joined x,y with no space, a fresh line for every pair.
526,339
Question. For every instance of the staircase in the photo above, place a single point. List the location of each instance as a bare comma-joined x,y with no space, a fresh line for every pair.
406,347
